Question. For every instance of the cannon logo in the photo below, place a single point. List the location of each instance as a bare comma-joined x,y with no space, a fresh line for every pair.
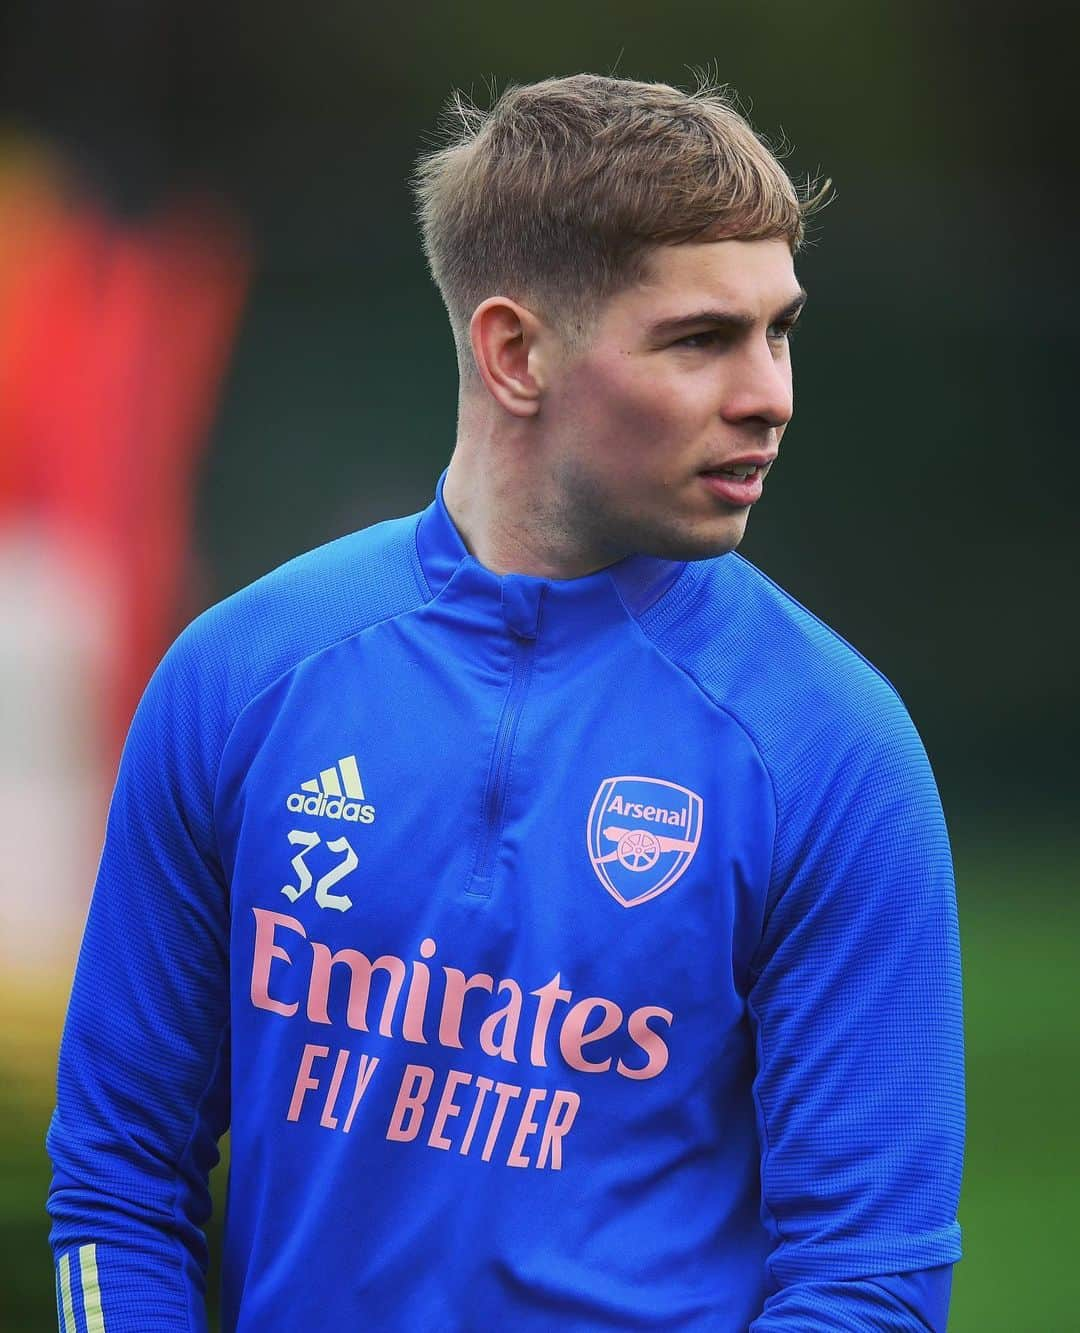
642,834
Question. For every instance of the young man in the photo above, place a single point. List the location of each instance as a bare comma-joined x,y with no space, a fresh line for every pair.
561,916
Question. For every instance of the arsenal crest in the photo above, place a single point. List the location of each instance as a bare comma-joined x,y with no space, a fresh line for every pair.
642,834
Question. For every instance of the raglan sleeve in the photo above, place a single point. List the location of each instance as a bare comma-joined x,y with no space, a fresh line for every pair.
142,1085
856,1008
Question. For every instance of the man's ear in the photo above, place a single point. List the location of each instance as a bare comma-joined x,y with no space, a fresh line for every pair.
510,345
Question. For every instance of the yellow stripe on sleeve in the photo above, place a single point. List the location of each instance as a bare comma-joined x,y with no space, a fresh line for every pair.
95,1316
67,1311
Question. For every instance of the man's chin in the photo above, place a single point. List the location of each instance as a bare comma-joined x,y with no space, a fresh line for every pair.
705,544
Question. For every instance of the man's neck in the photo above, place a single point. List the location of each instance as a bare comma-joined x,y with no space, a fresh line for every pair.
500,519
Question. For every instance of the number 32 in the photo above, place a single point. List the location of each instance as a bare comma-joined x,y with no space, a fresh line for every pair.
340,902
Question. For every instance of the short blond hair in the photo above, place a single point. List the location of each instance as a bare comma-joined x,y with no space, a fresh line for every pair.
555,196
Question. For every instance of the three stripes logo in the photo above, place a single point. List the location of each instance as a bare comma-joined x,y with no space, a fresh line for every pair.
337,793
78,1292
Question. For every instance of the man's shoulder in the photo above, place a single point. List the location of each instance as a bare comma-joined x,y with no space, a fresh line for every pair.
351,581
241,644
779,669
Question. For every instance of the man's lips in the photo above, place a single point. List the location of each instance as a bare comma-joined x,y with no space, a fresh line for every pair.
743,460
733,488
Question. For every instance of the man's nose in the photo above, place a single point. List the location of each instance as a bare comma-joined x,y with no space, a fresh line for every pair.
762,387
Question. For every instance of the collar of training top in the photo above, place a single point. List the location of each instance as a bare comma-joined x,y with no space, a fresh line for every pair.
641,580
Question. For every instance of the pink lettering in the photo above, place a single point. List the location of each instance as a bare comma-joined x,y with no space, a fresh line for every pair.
361,970
505,1092
363,1078
265,953
561,1113
457,987
526,1126
328,1120
412,1029
304,1082
650,1042
508,1018
549,996
412,1095
574,1035
483,1087
447,1107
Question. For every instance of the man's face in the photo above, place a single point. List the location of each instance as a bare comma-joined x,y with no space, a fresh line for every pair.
683,375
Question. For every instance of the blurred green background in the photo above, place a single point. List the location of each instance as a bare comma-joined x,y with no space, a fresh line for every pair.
922,505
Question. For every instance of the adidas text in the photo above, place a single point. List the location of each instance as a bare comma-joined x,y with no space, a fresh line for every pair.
331,807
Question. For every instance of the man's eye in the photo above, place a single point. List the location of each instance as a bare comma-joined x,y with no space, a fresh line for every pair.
708,338
716,337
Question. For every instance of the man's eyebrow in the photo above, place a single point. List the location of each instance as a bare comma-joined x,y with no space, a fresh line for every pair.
722,319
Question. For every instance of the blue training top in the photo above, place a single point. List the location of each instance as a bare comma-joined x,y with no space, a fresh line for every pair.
562,954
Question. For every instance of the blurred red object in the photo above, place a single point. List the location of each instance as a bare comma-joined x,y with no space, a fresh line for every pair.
114,336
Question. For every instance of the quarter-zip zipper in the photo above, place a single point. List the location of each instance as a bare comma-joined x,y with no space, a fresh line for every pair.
494,807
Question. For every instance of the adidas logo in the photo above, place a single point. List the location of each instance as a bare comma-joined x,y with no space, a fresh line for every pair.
337,793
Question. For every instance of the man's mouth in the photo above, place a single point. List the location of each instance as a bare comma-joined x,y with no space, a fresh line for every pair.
737,484
742,466
738,470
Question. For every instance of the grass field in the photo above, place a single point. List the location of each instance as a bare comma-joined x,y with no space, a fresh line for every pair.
1020,923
